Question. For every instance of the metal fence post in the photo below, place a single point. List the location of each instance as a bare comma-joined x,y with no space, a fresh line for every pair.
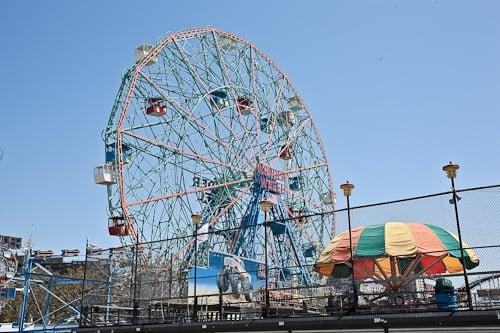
82,317
136,262
451,172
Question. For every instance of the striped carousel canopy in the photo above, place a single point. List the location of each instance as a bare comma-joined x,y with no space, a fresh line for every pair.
395,249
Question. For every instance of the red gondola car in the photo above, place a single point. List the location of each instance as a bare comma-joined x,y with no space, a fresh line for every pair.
155,106
117,226
244,105
286,153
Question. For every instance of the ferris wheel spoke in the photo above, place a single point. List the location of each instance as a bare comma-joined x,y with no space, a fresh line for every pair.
207,63
144,175
294,216
290,140
263,98
167,215
227,79
304,168
213,221
229,111
182,151
199,124
185,86
312,203
195,190
274,118
257,107
206,90
233,202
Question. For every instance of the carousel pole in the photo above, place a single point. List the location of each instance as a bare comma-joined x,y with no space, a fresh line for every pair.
451,172
347,188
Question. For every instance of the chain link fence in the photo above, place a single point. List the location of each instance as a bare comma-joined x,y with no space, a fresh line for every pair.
122,285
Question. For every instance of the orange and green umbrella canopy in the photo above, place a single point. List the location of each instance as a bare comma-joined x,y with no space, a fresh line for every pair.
393,251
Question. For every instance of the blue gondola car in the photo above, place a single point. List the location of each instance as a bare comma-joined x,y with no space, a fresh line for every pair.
111,153
218,99
309,251
7,293
294,183
278,228
266,125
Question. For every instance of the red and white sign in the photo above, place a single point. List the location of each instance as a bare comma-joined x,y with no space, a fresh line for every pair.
270,179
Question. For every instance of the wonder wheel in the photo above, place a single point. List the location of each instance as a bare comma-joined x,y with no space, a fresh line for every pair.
205,122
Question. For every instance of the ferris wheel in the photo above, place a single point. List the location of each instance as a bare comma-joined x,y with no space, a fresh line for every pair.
206,122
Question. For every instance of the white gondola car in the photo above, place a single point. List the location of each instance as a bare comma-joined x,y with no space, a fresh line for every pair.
295,104
328,198
286,119
142,51
105,174
227,44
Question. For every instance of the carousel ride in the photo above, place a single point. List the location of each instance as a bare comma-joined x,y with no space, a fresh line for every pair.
394,254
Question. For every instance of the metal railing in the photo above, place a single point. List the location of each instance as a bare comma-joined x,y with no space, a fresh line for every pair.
135,290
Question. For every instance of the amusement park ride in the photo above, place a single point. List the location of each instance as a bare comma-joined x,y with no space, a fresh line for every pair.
213,163
206,122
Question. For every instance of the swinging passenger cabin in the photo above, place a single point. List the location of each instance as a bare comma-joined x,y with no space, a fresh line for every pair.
286,119
117,226
295,104
244,105
155,106
218,99
267,125
285,153
294,183
105,174
143,51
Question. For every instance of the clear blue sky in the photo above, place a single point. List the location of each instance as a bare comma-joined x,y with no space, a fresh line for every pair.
397,88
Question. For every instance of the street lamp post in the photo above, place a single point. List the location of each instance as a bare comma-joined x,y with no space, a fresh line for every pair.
196,218
451,172
136,264
265,206
347,189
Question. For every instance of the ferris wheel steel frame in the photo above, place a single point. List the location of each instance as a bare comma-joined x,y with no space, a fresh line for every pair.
138,82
